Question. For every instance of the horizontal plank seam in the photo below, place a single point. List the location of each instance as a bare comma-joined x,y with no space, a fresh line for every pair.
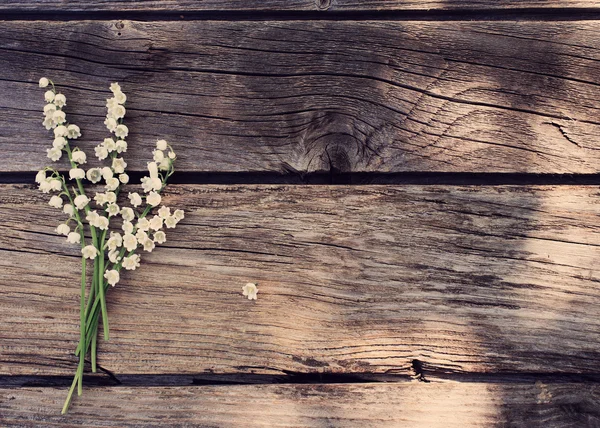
349,178
207,379
492,14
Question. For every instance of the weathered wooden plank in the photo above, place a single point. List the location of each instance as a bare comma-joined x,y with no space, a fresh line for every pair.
317,95
411,404
352,279
288,5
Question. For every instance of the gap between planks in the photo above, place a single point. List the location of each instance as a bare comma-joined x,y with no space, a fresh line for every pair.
466,14
353,178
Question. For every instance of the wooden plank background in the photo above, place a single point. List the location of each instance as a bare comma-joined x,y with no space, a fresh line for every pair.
288,5
379,305
318,96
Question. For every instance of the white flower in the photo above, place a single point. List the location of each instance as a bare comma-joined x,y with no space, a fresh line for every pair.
121,131
121,146
74,238
101,152
117,111
148,245
55,184
63,229
119,165
54,154
153,182
48,123
69,210
94,175
92,218
112,277
109,144
141,236
129,242
161,145
107,173
79,157
127,214
59,117
40,176
135,199
81,201
111,124
250,290
60,100
112,184
115,87
170,222
124,178
73,132
156,223
160,237
49,110
149,184
132,262
76,173
179,215
56,202
89,252
100,198
112,210
60,131
172,154
45,186
49,96
111,197
153,169
153,199
113,256
158,155
115,241
44,82
127,226
143,224
164,212
164,165
59,143
120,97
102,223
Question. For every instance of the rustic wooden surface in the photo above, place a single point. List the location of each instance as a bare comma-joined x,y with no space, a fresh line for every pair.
435,305
183,6
376,96
352,279
415,404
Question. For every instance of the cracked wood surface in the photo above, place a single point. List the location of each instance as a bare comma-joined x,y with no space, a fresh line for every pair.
307,96
287,5
414,404
352,279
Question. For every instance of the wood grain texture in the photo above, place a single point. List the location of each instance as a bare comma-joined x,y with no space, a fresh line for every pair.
361,279
317,95
287,5
414,404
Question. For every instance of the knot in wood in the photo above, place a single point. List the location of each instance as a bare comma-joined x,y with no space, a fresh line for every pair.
331,143
323,4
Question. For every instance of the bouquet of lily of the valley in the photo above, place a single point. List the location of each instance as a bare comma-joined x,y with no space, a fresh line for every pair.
115,232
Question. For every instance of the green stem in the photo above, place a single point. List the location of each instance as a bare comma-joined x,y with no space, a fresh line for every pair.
101,288
70,395
94,340
82,325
